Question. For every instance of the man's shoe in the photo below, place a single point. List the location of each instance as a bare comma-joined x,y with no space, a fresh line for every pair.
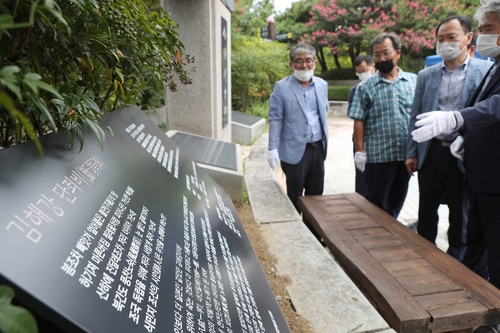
413,225
488,329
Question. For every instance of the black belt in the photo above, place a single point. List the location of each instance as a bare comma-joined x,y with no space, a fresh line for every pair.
441,143
314,144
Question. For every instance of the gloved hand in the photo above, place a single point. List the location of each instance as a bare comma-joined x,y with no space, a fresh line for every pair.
360,160
273,158
457,148
432,124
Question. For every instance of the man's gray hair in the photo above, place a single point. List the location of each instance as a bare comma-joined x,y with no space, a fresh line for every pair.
396,41
487,6
300,49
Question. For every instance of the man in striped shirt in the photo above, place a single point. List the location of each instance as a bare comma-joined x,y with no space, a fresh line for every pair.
381,112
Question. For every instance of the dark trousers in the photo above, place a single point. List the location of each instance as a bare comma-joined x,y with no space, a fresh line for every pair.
483,236
440,175
387,185
360,182
306,177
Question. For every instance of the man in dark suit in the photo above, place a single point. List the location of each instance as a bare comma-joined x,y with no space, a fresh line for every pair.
480,149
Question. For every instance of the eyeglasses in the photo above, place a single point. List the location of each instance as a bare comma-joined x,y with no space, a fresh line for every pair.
386,54
300,62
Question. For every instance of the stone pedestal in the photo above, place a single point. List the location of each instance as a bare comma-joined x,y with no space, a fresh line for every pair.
246,128
220,160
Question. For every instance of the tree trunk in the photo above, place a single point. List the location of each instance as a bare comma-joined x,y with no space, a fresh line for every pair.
321,58
336,58
354,51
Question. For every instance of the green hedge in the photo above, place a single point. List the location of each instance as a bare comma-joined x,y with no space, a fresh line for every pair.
338,93
339,74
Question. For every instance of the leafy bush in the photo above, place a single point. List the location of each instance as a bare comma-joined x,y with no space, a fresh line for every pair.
338,93
260,109
411,64
255,65
339,74
14,318
65,63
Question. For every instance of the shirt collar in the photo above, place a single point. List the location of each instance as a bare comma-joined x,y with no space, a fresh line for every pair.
496,62
401,76
463,66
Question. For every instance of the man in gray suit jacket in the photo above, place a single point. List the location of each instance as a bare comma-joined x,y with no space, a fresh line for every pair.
479,147
445,86
298,132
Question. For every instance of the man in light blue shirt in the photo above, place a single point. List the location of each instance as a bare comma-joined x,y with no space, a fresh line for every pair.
448,85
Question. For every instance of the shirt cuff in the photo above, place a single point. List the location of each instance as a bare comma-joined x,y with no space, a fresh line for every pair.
460,120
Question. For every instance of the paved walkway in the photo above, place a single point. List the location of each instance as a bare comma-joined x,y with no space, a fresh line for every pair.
340,176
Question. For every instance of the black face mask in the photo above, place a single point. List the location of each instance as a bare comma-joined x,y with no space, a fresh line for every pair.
385,66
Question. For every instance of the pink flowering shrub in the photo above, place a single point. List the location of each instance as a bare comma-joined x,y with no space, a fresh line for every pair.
351,24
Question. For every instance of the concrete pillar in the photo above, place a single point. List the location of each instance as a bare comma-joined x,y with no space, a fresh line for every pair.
203,108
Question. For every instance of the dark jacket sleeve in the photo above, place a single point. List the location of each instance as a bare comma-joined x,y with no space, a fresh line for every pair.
482,114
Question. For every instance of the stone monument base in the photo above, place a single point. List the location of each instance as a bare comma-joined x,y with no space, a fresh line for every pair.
220,159
246,128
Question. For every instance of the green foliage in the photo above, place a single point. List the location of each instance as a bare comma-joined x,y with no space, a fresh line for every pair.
339,74
250,15
343,61
14,319
338,93
260,109
294,19
65,63
411,64
256,65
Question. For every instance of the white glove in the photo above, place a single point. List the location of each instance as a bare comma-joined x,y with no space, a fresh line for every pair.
360,160
432,124
457,148
273,158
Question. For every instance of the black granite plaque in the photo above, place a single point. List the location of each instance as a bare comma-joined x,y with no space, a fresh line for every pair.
135,238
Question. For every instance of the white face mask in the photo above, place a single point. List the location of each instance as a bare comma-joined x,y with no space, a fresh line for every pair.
303,76
487,45
451,50
363,76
